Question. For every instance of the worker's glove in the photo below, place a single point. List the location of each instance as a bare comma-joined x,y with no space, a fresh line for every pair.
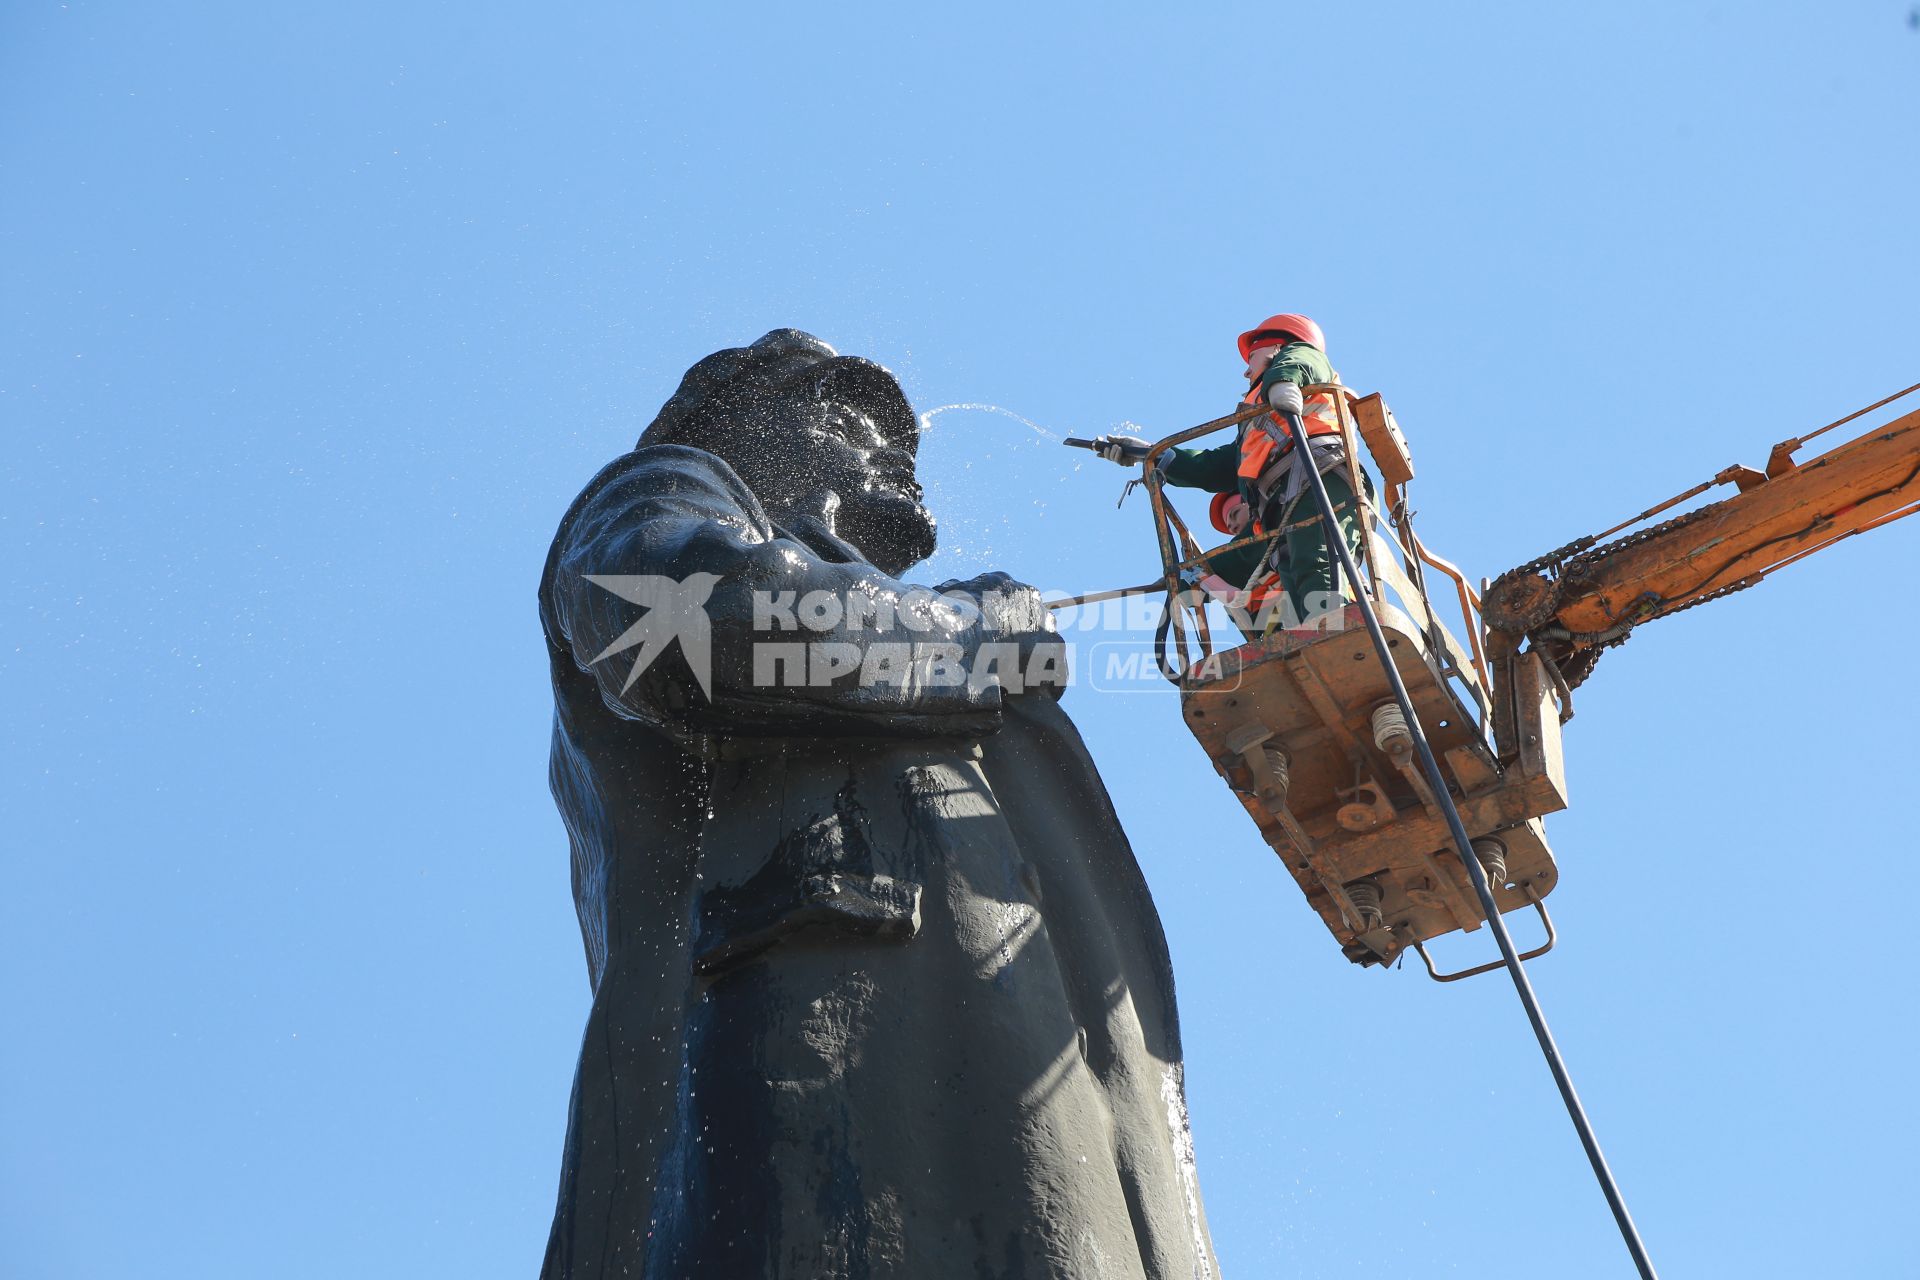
1125,450
1284,397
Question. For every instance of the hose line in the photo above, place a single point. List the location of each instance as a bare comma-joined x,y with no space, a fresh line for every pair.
1463,845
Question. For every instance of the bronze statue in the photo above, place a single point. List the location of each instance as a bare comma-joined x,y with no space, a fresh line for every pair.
879,990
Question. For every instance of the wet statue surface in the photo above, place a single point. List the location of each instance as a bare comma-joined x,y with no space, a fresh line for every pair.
879,990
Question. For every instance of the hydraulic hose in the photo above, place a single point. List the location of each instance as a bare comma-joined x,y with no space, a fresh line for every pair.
1463,845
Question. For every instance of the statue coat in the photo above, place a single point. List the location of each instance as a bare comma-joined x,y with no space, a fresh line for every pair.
879,990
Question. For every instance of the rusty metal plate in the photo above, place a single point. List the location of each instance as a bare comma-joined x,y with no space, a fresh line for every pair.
1312,694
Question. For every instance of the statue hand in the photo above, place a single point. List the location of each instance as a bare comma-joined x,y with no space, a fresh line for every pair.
1013,612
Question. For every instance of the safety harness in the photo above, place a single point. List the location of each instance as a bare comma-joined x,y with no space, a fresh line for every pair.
1264,451
1265,454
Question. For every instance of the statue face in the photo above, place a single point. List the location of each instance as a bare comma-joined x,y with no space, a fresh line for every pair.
843,426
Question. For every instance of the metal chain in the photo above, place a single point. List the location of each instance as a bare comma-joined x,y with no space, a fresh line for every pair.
1721,593
1579,665
1578,562
1548,560
1570,562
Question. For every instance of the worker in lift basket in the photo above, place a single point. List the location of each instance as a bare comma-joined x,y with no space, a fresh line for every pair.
1263,486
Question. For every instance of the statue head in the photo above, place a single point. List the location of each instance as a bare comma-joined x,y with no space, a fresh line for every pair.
810,431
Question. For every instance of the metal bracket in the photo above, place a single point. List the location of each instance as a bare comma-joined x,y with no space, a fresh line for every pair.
1545,919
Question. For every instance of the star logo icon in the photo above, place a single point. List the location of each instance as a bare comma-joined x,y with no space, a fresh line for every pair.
676,609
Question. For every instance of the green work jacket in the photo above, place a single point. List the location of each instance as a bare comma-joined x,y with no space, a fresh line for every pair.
1217,469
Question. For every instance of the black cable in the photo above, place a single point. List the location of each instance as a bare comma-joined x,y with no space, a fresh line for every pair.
1475,873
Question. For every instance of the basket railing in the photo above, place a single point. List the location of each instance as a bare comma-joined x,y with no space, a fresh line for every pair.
1392,558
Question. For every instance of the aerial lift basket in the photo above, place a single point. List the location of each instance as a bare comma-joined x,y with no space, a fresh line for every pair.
1303,726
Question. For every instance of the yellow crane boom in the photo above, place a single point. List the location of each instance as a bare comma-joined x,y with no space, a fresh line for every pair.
1576,601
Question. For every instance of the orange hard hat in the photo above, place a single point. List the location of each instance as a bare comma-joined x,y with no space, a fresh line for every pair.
1296,326
1224,508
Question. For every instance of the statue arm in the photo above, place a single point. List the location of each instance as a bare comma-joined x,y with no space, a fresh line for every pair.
673,528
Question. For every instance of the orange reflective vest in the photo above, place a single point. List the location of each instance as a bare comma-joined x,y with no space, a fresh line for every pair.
1258,448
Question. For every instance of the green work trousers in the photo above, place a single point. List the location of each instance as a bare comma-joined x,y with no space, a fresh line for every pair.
1308,566
1304,560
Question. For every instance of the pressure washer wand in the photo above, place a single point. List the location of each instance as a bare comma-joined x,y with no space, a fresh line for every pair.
1136,452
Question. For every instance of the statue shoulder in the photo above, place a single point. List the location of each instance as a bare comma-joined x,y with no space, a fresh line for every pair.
672,471
651,501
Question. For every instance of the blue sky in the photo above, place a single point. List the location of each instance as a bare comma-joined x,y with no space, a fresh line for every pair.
317,317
